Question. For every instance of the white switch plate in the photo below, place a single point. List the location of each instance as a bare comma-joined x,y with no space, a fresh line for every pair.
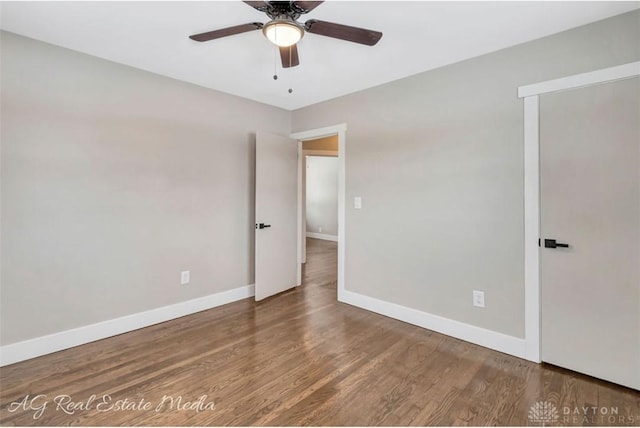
357,202
185,277
478,298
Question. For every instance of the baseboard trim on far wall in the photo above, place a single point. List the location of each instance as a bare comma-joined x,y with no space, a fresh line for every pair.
322,236
480,336
43,345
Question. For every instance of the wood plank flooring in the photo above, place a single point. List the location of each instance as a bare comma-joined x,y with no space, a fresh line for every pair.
299,358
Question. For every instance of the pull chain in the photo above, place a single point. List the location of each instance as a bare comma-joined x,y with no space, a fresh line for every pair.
290,62
275,66
275,59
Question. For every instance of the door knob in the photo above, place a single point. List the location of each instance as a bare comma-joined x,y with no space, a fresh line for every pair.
262,226
551,243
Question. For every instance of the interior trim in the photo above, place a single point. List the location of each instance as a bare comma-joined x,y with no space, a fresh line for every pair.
340,130
20,351
323,236
624,71
480,336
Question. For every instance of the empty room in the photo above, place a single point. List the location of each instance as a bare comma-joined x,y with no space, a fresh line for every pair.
338,213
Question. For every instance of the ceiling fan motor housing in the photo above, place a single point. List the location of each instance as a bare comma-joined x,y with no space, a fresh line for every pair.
285,31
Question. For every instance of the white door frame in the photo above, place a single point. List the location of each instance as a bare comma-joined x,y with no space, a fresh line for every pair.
531,94
339,130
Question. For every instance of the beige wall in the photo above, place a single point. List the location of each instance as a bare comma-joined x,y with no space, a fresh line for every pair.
113,181
438,161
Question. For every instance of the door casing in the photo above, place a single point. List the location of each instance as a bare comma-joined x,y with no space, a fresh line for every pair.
339,130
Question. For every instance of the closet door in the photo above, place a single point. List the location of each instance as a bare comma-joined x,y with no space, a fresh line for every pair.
590,230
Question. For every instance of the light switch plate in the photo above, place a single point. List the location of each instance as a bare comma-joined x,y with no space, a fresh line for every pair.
185,277
478,298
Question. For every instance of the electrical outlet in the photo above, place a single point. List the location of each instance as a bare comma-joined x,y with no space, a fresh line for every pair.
185,277
319,229
478,298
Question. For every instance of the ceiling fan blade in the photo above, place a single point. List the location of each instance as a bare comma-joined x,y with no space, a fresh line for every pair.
343,32
305,6
258,5
230,31
289,56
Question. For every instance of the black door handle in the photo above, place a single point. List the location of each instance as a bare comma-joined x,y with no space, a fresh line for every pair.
551,243
262,226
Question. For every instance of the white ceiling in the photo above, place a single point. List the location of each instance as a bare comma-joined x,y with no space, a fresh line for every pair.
418,36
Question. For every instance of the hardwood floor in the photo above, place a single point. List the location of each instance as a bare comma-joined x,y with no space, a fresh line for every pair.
299,358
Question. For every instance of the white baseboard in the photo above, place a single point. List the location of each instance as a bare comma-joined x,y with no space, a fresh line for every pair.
322,236
43,345
32,348
489,339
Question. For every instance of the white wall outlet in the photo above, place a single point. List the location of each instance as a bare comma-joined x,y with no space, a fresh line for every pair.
357,202
320,229
478,298
185,277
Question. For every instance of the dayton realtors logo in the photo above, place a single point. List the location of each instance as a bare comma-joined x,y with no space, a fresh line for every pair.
546,413
543,413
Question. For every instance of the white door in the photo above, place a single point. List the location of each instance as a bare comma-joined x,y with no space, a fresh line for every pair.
590,201
276,214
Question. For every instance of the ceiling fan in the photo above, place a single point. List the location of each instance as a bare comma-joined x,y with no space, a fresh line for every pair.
285,31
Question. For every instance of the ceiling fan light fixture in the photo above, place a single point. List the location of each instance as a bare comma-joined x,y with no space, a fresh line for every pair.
283,32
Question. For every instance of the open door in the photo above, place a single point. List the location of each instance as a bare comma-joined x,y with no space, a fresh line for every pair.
276,230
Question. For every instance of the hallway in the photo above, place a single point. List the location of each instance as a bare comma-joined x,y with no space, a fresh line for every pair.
321,268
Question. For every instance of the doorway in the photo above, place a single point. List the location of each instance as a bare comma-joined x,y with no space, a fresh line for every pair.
320,211
322,155
314,142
